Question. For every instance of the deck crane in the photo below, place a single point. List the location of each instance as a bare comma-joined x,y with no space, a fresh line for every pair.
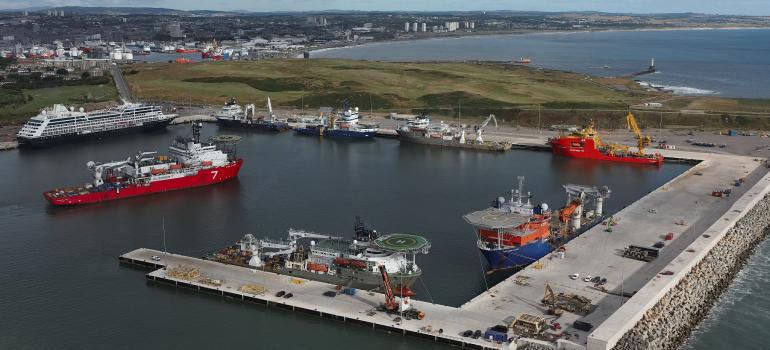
642,141
100,169
577,198
491,117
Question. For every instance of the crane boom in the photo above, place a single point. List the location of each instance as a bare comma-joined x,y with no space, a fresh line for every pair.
390,299
484,125
642,141
631,121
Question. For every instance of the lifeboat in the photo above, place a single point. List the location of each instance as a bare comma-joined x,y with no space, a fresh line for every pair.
358,264
342,262
311,266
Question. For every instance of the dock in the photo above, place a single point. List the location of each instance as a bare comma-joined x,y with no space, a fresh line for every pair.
442,324
193,118
684,207
5,146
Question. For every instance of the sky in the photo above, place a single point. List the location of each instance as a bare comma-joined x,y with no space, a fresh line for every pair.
744,7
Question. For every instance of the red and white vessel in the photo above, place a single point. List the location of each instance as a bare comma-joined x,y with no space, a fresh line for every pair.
586,144
191,163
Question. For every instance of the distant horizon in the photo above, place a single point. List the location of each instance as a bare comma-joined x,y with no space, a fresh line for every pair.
739,8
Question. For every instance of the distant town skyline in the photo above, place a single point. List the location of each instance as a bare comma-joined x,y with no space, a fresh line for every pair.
734,7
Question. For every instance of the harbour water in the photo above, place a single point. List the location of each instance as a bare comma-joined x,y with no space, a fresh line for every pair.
61,277
711,62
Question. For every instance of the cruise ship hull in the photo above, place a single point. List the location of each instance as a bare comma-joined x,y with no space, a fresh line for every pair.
263,126
584,148
47,141
203,177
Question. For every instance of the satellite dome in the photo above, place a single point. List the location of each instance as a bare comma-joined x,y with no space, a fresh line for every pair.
544,206
90,164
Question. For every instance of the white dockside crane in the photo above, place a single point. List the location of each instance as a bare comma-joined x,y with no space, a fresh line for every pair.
491,117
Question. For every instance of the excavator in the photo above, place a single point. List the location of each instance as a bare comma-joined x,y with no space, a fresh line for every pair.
642,141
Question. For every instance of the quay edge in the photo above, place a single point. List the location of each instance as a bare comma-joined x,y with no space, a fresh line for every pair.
663,313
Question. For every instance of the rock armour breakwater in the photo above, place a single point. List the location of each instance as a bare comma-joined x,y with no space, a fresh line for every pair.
670,321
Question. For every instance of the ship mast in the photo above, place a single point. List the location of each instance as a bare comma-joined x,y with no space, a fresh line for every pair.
196,131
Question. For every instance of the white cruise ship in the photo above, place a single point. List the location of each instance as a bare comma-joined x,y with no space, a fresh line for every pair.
59,124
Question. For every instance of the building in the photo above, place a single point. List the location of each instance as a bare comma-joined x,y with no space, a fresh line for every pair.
414,27
406,27
175,30
424,27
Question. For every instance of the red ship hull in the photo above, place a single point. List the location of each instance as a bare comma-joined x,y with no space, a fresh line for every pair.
580,147
204,177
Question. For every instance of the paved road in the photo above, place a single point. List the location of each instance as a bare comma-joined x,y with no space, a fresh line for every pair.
120,83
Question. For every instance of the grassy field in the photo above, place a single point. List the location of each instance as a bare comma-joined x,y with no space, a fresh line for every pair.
37,99
378,85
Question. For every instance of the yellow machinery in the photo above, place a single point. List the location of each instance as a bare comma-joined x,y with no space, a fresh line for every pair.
589,132
642,141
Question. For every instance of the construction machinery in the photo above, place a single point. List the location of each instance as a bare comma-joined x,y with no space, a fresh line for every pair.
526,324
570,302
392,306
480,130
640,253
642,141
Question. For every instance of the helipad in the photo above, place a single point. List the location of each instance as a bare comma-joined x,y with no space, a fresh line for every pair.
402,242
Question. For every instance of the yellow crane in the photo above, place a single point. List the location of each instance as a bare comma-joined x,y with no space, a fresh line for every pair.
642,141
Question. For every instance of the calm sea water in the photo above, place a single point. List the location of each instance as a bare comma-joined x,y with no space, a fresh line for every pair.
733,63
62,286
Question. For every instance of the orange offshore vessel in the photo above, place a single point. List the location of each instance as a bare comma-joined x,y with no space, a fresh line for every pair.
586,144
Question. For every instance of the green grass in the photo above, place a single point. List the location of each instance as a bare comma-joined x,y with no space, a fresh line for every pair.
37,99
388,85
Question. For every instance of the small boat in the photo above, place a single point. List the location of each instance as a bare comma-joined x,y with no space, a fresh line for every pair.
524,60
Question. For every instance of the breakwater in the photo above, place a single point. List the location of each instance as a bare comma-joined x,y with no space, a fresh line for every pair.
697,286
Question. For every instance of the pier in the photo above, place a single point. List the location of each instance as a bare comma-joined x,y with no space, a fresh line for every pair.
442,324
619,310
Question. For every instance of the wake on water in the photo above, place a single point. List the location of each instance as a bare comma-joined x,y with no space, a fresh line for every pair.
678,90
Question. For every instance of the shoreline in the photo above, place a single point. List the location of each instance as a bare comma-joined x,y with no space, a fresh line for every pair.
529,32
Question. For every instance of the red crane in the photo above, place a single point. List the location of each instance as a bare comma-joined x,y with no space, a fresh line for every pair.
390,300
391,305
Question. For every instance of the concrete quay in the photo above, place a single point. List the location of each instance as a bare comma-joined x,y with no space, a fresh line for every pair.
308,298
5,146
683,206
